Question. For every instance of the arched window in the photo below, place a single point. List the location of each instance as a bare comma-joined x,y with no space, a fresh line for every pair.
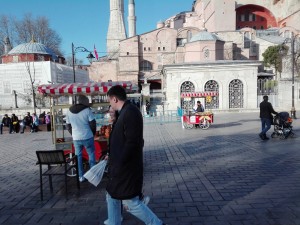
145,66
236,94
206,53
212,102
187,103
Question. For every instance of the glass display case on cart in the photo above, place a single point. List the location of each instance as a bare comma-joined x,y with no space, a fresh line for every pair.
62,96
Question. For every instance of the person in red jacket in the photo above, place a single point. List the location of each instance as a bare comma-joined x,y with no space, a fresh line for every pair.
125,164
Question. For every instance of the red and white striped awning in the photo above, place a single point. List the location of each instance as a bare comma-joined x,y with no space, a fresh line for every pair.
80,88
199,94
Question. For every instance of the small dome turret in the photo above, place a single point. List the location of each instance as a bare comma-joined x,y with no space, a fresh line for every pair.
160,24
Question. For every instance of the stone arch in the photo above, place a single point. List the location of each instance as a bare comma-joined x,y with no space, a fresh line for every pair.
184,35
145,65
255,16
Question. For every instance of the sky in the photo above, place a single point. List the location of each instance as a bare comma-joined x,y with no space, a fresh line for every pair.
85,22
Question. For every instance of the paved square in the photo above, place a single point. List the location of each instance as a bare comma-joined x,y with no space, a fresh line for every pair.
225,175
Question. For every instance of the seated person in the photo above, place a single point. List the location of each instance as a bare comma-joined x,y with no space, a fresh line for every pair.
35,123
15,123
27,121
6,121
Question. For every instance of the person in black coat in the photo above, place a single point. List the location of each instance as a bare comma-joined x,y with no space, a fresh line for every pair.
6,122
266,111
125,165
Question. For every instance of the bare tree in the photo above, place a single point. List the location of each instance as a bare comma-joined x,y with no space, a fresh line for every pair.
22,31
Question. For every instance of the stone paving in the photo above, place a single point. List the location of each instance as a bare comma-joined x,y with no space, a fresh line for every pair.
224,175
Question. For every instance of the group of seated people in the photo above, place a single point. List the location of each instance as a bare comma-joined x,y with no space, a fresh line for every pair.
16,126
11,122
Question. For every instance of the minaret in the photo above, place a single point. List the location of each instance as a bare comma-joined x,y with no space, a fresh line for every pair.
7,45
131,19
116,28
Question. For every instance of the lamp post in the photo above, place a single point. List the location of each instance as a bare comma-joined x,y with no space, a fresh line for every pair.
90,57
292,41
16,98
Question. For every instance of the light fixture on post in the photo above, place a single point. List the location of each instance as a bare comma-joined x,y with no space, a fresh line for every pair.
292,41
75,50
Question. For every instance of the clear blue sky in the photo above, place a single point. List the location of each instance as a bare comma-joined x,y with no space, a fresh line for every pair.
85,22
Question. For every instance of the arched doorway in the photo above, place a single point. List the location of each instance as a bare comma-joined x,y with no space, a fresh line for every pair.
212,102
187,103
236,94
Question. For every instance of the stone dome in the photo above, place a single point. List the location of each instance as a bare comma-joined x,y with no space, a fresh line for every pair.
32,48
205,36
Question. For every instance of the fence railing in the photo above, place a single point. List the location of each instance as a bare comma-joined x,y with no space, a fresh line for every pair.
167,116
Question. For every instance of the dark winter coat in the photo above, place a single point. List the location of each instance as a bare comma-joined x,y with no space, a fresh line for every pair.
266,110
27,120
125,169
6,121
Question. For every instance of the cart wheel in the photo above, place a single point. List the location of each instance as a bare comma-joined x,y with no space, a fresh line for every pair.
272,135
282,136
204,125
188,125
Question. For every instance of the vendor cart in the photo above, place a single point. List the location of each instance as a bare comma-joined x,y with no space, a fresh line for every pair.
62,96
203,120
192,119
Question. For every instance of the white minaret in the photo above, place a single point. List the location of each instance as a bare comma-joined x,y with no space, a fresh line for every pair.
7,45
131,19
116,28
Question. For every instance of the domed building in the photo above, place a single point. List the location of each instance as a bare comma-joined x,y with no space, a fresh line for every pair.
31,62
217,45
31,52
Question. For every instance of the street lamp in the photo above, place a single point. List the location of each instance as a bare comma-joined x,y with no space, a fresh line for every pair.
292,41
90,57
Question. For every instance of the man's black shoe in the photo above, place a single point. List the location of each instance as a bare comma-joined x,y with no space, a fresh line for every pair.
262,136
266,138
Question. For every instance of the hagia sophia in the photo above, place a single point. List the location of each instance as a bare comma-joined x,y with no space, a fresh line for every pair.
216,47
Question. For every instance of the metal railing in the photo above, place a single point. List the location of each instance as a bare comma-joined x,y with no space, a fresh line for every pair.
161,117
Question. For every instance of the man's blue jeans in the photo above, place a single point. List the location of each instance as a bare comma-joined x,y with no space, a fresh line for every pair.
90,148
134,206
265,125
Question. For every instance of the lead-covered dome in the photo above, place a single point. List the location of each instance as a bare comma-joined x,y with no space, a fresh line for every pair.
205,36
32,48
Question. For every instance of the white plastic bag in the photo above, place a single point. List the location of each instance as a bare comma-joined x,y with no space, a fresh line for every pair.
95,174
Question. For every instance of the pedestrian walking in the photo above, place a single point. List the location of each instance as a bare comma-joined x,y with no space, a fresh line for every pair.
81,124
266,111
48,121
125,165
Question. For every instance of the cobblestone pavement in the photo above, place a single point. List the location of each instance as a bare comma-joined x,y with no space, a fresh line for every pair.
224,175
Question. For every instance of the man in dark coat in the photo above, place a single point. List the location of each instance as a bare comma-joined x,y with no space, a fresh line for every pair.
200,107
125,165
27,121
266,110
6,122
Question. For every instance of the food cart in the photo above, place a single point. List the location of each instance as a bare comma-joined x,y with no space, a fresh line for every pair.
62,96
190,118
